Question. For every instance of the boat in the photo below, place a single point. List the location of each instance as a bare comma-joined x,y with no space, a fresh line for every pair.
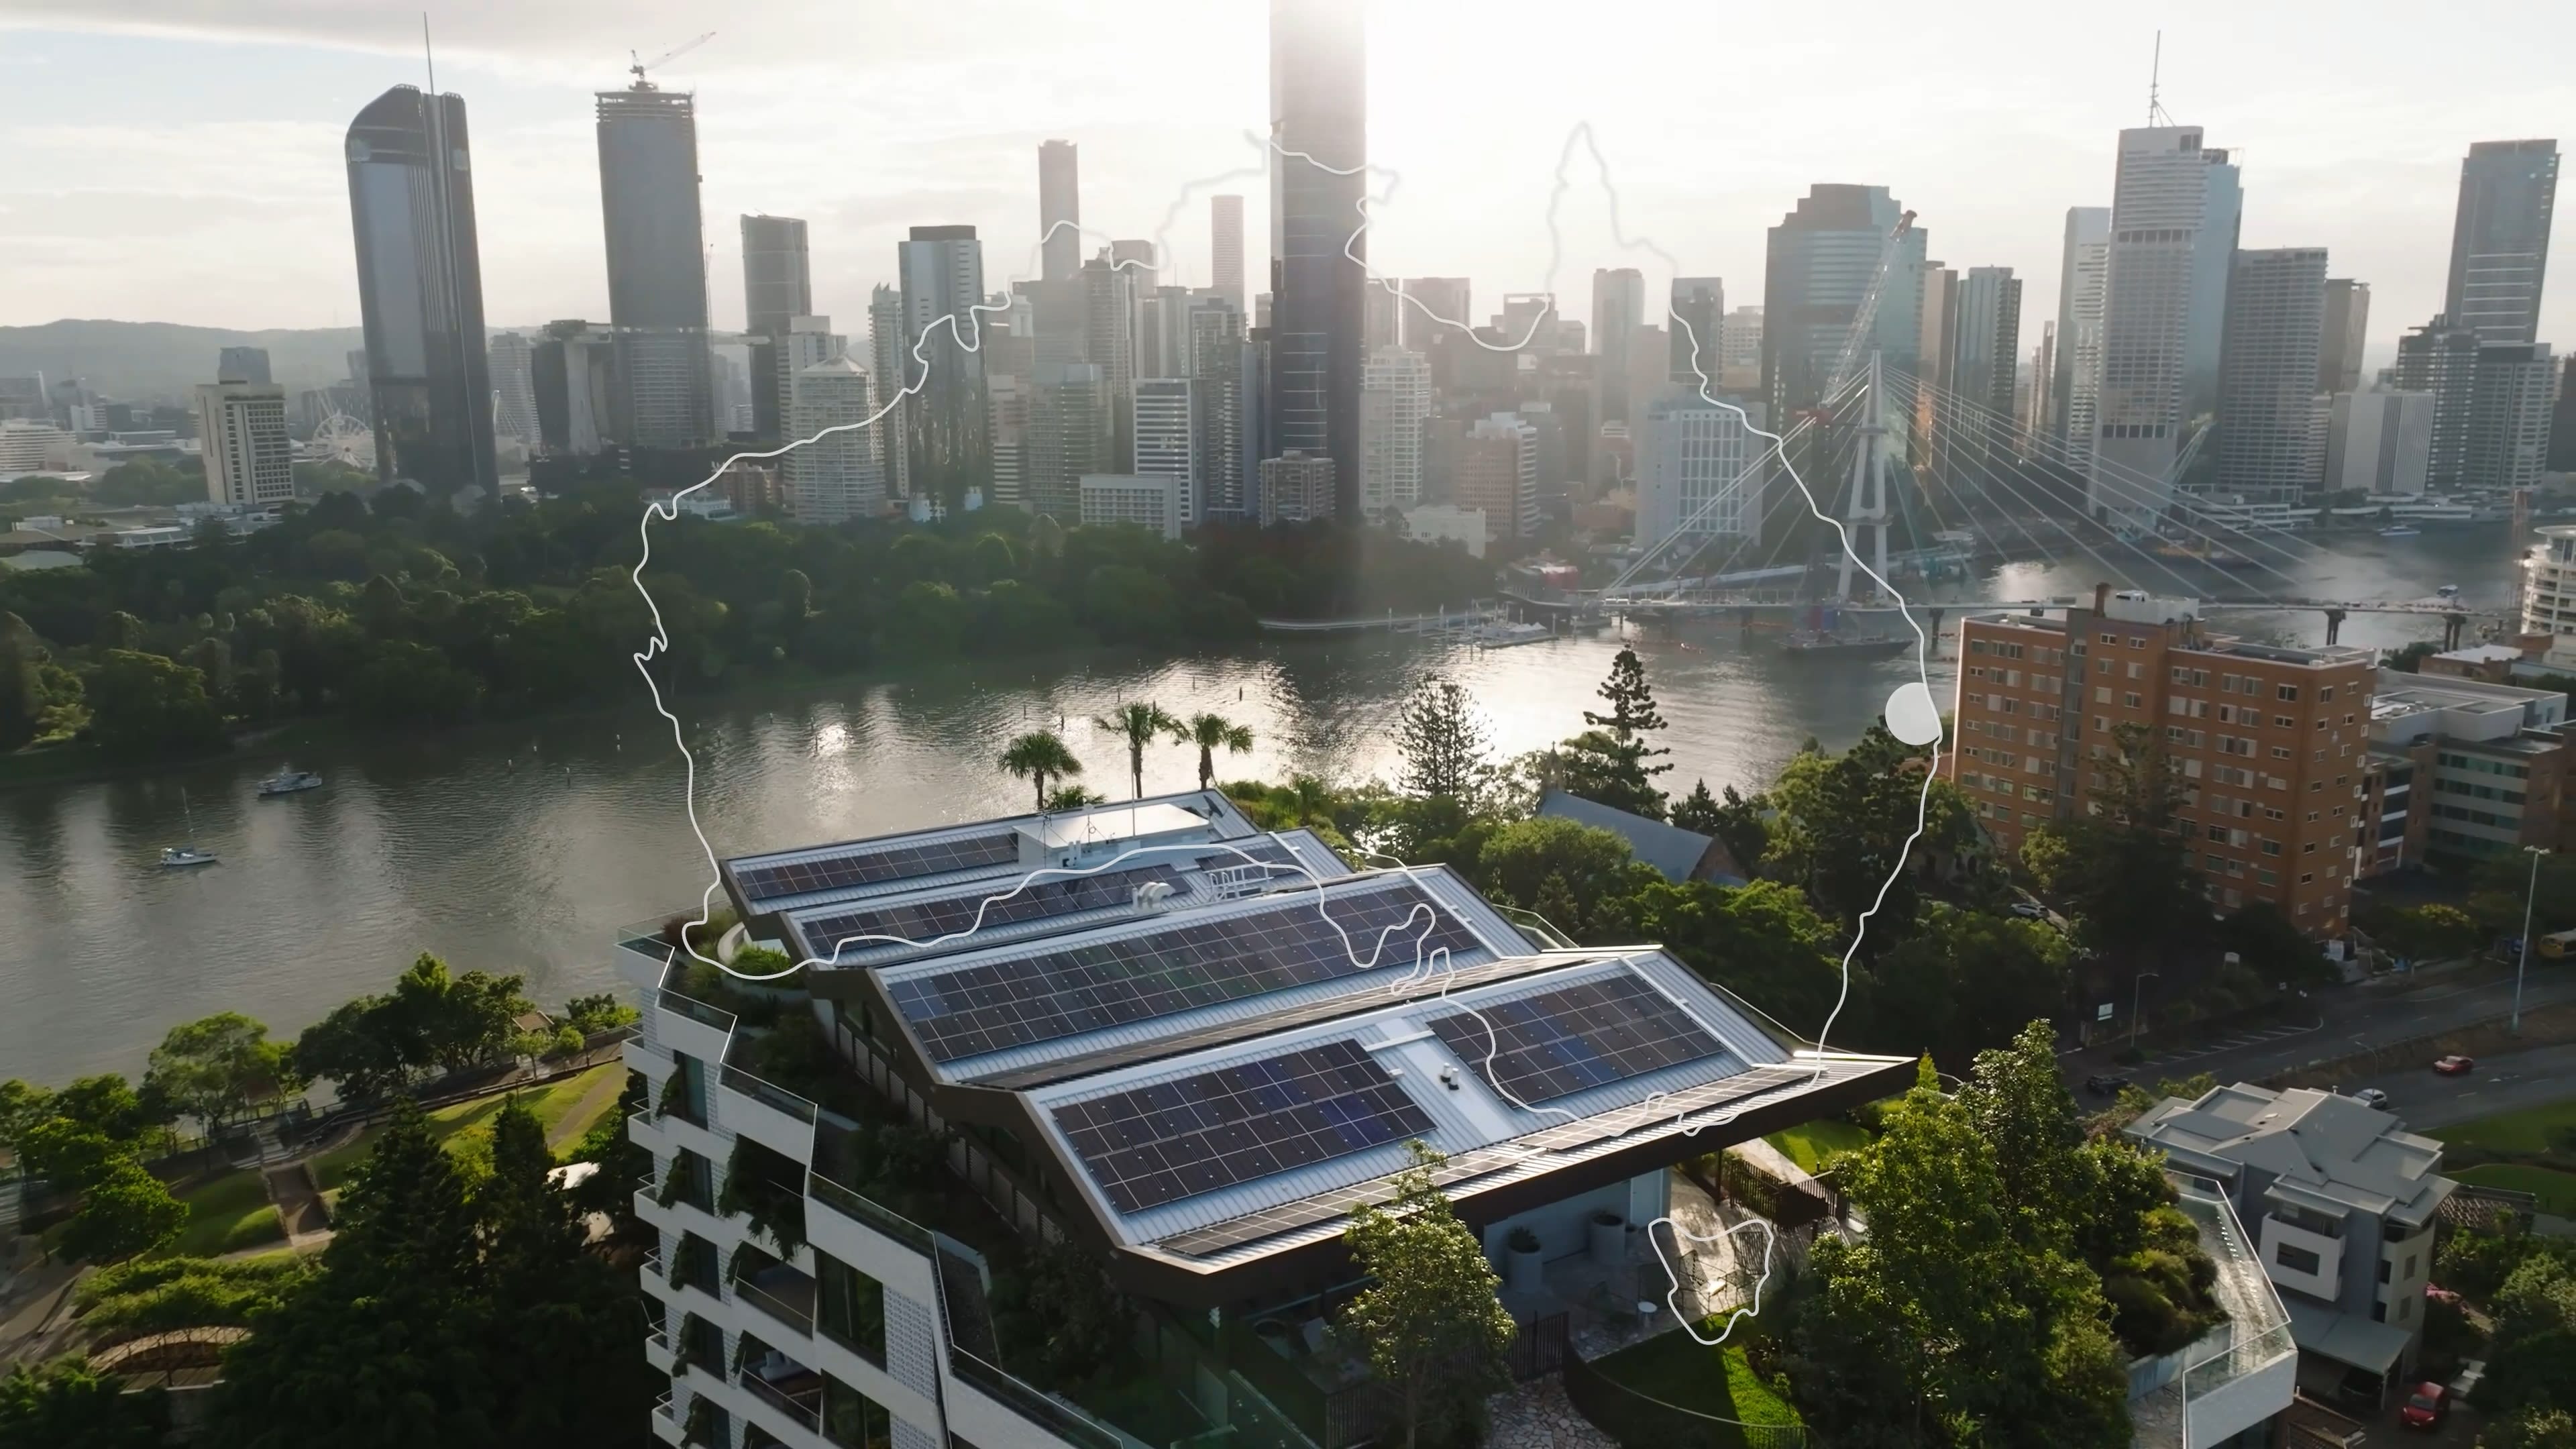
2401,531
1502,636
1808,642
176,857
2448,591
289,780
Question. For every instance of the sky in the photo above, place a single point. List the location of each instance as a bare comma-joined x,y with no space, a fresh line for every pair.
180,160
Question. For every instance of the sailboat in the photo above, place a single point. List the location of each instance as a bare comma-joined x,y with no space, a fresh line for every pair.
174,857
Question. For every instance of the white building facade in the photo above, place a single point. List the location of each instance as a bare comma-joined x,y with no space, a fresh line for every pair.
2173,233
1395,405
1148,501
1167,429
834,478
241,429
1697,472
2379,443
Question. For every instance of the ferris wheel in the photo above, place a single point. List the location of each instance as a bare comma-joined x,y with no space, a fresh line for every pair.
342,438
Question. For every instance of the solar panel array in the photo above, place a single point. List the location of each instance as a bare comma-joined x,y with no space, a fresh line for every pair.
1196,961
1590,1034
868,867
1178,1139
923,921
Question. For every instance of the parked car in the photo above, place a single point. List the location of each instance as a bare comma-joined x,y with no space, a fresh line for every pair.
2425,1406
2105,1086
2372,1097
2455,1065
2030,910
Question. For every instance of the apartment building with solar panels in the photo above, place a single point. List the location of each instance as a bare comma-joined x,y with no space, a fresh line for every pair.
1189,1047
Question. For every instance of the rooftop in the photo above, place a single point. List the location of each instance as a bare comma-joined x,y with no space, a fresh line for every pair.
1674,852
2327,1153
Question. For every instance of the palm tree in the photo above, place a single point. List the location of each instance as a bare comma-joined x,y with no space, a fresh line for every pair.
1212,732
1038,755
1139,723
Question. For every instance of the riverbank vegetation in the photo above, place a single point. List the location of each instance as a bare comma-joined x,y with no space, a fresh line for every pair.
402,614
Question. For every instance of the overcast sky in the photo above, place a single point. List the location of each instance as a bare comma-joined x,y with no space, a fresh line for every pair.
180,160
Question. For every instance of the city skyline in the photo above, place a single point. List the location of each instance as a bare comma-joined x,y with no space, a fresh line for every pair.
2388,220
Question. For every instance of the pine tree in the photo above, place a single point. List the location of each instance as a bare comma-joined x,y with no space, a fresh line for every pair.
1697,810
1443,743
1631,699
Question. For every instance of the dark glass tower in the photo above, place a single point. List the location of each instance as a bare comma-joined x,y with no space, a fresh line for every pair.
657,277
1319,126
777,284
2500,239
420,291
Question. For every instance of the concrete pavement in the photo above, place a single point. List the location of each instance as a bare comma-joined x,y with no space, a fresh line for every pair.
2509,1083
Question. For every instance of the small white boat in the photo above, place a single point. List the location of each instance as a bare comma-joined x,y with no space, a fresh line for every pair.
174,857
2401,531
2448,591
289,780
1503,636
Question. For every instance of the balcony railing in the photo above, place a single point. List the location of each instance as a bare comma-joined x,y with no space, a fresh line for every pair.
809,1415
779,1097
697,1011
868,1214
1060,1419
776,1306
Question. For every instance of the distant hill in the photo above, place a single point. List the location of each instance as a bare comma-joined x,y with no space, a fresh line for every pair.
158,362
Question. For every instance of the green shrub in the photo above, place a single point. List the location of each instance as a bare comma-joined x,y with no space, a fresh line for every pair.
153,1296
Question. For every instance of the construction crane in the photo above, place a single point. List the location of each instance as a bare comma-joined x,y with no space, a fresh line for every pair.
640,66
1865,316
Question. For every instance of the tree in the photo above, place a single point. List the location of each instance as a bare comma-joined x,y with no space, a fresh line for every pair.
124,1211
64,1403
1139,723
1212,732
145,704
23,696
2531,1364
1844,821
1429,1319
356,1048
1631,718
1591,864
22,1106
1446,752
455,1022
1071,797
2125,874
1761,941
1963,980
1697,811
1039,755
213,1069
69,1154
1597,766
2531,1429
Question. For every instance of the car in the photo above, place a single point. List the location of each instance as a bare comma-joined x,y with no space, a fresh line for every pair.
2424,1407
2030,911
2373,1098
2105,1086
2455,1065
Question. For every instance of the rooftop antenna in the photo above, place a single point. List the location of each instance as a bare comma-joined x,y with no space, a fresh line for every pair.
428,58
2155,75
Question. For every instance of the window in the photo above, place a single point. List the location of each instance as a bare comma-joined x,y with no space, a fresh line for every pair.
2130,700
850,1307
2324,695
2383,1270
2410,1265
2297,1259
852,1420
2283,721
2291,691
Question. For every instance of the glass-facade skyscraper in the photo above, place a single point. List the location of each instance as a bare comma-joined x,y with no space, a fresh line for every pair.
420,291
2500,240
1319,305
657,279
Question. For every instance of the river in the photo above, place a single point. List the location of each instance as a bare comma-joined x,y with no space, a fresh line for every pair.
522,847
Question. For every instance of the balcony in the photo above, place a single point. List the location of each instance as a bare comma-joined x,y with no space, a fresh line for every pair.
781,1292
666,1421
774,1117
794,1391
2238,1374
685,1025
866,1214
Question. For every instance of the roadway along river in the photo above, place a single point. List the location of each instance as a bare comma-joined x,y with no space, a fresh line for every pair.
521,847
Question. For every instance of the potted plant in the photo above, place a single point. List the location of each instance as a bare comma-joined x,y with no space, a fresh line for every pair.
1609,1238
1521,1262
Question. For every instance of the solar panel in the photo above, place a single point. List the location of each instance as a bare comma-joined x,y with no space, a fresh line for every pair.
1178,1139
1561,1042
867,867
1194,962
927,920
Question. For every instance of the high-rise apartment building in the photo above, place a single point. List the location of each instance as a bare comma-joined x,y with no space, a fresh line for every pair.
241,434
1818,267
2500,239
1318,254
1434,305
242,364
1698,474
420,292
1496,469
891,352
2083,291
1144,500
2379,443
657,275
2347,329
2268,745
2441,360
573,379
835,477
1109,343
1167,427
1068,436
2509,415
1225,248
1697,321
2267,376
2039,399
2562,422
1007,394
1225,373
947,449
800,343
2174,214
1985,358
1059,210
1385,308
1740,354
512,363
1395,406
777,284
1297,488
1618,310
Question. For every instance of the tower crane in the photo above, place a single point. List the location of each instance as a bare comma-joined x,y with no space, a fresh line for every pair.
640,65
1865,512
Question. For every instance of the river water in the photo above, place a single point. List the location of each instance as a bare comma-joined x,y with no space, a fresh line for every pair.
522,847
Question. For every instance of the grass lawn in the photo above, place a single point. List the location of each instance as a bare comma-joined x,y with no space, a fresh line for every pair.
1682,1372
1810,1143
2534,1130
226,1214
465,1126
2556,1190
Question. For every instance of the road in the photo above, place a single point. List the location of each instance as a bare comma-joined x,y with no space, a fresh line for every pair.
2349,1020
2510,1083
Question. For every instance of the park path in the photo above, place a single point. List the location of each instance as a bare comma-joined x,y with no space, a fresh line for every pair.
573,1123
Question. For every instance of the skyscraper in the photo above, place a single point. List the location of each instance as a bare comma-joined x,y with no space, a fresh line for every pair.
1296,488
1395,404
1818,267
2267,374
1385,324
574,382
888,349
1060,211
2441,359
2509,414
946,441
1433,305
1319,132
657,278
420,292
1109,343
1068,436
1497,470
1618,310
2174,213
836,477
2083,288
1740,350
1165,424
2347,327
514,392
1698,323
777,281
1224,368
242,364
241,433
1225,247
2500,239
1985,357
1695,473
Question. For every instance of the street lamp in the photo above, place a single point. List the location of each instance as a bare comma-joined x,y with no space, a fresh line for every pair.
2535,852
2133,1003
